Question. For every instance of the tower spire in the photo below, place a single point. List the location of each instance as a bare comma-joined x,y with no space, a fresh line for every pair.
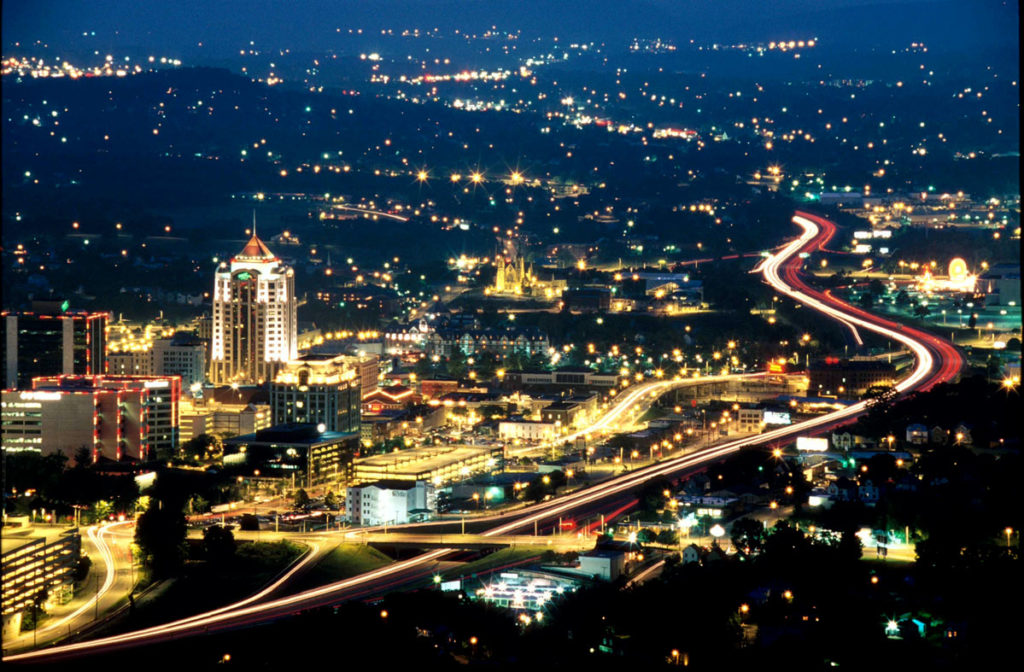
254,222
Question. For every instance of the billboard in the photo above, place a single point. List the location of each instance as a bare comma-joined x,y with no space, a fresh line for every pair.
808,443
777,418
451,586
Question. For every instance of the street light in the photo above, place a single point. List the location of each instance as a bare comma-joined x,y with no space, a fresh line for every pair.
1008,531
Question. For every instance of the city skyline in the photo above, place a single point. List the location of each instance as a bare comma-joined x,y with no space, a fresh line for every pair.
444,333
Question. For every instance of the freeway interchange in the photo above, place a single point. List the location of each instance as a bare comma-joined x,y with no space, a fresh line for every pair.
936,361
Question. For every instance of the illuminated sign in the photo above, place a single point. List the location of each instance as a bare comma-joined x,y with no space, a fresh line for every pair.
40,396
150,384
810,444
776,418
451,586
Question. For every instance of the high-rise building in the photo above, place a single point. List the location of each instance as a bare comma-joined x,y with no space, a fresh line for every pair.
51,340
115,417
318,389
254,320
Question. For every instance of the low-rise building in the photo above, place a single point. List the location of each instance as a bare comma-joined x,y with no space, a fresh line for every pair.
391,502
566,376
750,420
297,451
848,378
528,430
210,417
571,412
504,341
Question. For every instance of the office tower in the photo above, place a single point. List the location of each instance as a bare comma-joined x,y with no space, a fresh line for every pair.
318,389
254,322
51,340
114,417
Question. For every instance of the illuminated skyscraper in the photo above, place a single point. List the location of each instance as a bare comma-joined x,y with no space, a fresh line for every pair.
254,322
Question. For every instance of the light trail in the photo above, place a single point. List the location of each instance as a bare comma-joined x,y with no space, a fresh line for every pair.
928,371
368,212
96,535
636,394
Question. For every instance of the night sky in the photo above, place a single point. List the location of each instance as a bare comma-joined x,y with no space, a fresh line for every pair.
222,27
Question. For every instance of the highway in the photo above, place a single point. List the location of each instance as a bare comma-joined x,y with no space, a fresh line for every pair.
935,361
631,403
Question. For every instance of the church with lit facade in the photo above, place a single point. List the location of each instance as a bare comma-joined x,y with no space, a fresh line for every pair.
515,278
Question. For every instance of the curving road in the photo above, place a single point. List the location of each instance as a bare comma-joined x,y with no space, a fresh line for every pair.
936,361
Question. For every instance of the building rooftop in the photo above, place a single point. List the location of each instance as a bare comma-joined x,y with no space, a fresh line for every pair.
426,458
255,249
295,433
15,537
390,484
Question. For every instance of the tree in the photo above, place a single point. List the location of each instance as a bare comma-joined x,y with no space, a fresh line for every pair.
331,501
972,321
83,457
160,534
198,504
667,537
201,446
646,536
82,568
747,536
301,498
218,543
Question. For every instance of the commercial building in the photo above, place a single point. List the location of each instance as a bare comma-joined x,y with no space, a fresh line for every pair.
50,341
210,417
749,420
566,376
848,378
1001,285
182,355
34,560
301,452
529,430
528,590
254,317
570,412
438,465
390,502
319,390
368,366
115,417
588,299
